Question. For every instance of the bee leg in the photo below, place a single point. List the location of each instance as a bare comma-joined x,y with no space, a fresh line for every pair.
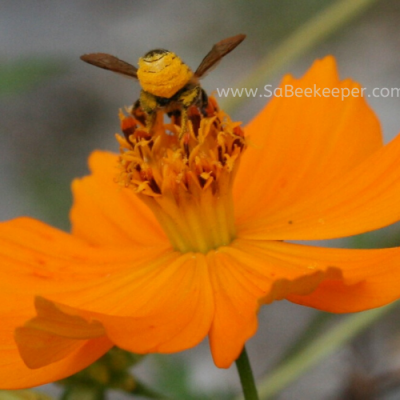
148,103
184,122
136,106
174,113
138,113
150,120
188,98
175,116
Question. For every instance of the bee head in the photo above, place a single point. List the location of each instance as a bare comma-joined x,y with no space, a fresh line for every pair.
162,73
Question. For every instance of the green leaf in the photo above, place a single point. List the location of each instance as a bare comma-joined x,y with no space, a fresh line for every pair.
175,381
84,392
21,75
22,395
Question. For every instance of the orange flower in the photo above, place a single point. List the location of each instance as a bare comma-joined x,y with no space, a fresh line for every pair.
185,256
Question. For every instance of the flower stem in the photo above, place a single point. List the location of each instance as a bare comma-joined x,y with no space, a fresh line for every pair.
318,349
246,376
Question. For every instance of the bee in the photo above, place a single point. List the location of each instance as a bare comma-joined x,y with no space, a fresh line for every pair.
167,82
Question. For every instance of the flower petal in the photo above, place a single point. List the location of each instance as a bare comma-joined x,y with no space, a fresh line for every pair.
163,305
370,277
364,199
106,214
169,313
53,334
299,144
39,260
33,258
147,298
14,374
244,276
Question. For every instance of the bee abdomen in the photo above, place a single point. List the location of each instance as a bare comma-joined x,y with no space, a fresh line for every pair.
162,73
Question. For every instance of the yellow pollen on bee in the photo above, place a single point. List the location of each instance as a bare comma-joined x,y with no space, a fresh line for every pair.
186,182
163,74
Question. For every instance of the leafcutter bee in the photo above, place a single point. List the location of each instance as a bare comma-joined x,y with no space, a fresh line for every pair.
167,82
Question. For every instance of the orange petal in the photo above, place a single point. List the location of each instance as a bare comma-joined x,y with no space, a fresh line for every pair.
148,298
14,374
370,277
168,308
105,213
362,200
244,276
53,334
39,260
165,305
299,144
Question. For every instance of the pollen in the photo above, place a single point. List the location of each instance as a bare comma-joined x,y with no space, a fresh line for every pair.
186,182
162,73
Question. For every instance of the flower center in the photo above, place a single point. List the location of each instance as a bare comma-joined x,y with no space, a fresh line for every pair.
186,182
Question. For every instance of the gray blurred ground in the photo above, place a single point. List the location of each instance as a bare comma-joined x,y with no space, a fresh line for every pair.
47,132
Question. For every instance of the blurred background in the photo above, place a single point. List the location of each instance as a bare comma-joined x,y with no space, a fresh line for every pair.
55,110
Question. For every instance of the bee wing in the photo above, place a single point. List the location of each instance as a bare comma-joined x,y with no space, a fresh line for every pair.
111,63
218,51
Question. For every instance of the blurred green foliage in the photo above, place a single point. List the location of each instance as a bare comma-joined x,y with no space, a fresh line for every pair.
20,75
112,371
175,378
23,395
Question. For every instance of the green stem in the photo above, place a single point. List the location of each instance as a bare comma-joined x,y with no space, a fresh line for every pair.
319,349
246,376
314,31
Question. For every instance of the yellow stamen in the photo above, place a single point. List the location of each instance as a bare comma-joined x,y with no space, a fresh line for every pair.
187,183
